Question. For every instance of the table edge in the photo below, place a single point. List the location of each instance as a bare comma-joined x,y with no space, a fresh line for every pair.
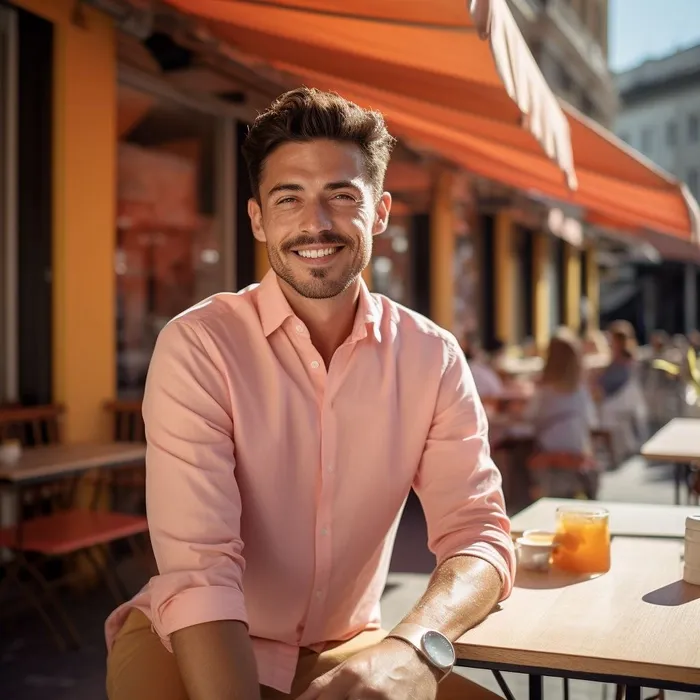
528,659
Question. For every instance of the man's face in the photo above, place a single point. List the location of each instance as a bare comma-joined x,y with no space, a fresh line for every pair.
317,214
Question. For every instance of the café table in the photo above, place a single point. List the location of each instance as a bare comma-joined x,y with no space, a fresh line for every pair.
67,530
626,519
37,464
59,463
635,626
678,442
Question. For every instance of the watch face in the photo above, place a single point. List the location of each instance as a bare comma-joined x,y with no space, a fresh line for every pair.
438,649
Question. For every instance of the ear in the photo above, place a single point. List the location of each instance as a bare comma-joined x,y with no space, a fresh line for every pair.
256,220
381,218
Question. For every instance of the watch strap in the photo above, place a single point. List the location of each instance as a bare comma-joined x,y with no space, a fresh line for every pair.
413,634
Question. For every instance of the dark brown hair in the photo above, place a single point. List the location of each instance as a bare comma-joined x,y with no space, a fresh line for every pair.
306,114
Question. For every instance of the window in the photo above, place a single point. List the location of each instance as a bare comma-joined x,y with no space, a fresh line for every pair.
671,134
694,181
693,128
170,250
624,136
391,262
647,140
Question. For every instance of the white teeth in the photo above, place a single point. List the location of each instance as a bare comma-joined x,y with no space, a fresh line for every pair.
317,253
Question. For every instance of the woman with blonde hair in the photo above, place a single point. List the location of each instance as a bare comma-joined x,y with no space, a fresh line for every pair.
563,414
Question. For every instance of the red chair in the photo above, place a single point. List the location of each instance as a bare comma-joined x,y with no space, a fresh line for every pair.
62,535
49,527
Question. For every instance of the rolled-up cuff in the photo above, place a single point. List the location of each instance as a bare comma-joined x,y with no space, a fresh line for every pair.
503,562
195,606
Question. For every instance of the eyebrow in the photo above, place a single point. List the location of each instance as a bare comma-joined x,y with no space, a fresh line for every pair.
332,186
285,187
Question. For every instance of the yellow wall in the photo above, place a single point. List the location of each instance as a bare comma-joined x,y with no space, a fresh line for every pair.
84,214
442,249
262,262
540,291
572,287
505,278
592,289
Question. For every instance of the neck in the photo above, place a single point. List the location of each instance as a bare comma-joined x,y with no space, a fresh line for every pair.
329,321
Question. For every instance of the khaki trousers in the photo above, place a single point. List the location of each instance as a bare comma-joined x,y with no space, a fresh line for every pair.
141,668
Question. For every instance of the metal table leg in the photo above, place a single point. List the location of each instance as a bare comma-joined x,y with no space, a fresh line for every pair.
503,685
536,687
633,692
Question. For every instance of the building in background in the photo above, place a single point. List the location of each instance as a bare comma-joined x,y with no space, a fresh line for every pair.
569,40
660,117
660,113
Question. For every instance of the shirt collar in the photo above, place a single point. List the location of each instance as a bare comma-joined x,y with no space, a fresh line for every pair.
274,309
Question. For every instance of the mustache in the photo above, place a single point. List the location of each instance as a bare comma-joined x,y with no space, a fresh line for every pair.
327,237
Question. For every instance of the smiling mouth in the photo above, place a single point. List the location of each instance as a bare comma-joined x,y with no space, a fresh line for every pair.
319,252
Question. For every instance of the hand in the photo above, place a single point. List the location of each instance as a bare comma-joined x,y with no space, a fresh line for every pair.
391,670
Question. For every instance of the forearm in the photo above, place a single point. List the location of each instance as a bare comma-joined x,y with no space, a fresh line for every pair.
462,591
216,661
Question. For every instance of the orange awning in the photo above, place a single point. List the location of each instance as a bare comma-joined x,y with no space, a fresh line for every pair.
427,50
617,187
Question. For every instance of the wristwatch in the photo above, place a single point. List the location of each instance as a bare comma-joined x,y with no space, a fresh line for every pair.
432,645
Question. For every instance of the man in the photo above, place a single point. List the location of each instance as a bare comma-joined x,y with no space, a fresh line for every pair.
286,426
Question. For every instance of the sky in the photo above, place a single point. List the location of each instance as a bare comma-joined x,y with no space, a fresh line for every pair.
641,29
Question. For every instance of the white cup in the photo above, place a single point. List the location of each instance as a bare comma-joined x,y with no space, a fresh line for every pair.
535,551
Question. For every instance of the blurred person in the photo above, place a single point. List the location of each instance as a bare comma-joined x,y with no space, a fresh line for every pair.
274,417
623,352
659,342
486,379
694,340
563,414
679,343
623,405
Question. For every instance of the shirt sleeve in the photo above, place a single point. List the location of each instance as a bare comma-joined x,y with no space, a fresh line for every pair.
458,484
192,498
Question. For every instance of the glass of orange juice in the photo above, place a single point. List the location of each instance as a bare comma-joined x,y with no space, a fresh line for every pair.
582,540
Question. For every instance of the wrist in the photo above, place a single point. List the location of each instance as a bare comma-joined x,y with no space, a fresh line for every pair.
408,655
430,645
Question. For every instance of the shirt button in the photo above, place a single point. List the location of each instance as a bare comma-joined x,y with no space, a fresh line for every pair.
319,594
300,328
330,468
324,531
315,364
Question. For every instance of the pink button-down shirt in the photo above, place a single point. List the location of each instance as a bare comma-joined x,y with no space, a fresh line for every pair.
275,486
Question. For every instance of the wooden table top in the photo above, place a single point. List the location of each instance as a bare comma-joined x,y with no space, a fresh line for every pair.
58,460
677,441
640,620
626,519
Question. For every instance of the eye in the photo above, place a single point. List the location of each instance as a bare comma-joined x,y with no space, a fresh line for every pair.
286,200
345,197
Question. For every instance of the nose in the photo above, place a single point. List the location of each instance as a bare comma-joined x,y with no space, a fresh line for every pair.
316,218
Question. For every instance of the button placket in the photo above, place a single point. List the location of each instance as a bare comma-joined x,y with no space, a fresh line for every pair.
324,533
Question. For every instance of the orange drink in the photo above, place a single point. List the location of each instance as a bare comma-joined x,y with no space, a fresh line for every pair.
582,540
